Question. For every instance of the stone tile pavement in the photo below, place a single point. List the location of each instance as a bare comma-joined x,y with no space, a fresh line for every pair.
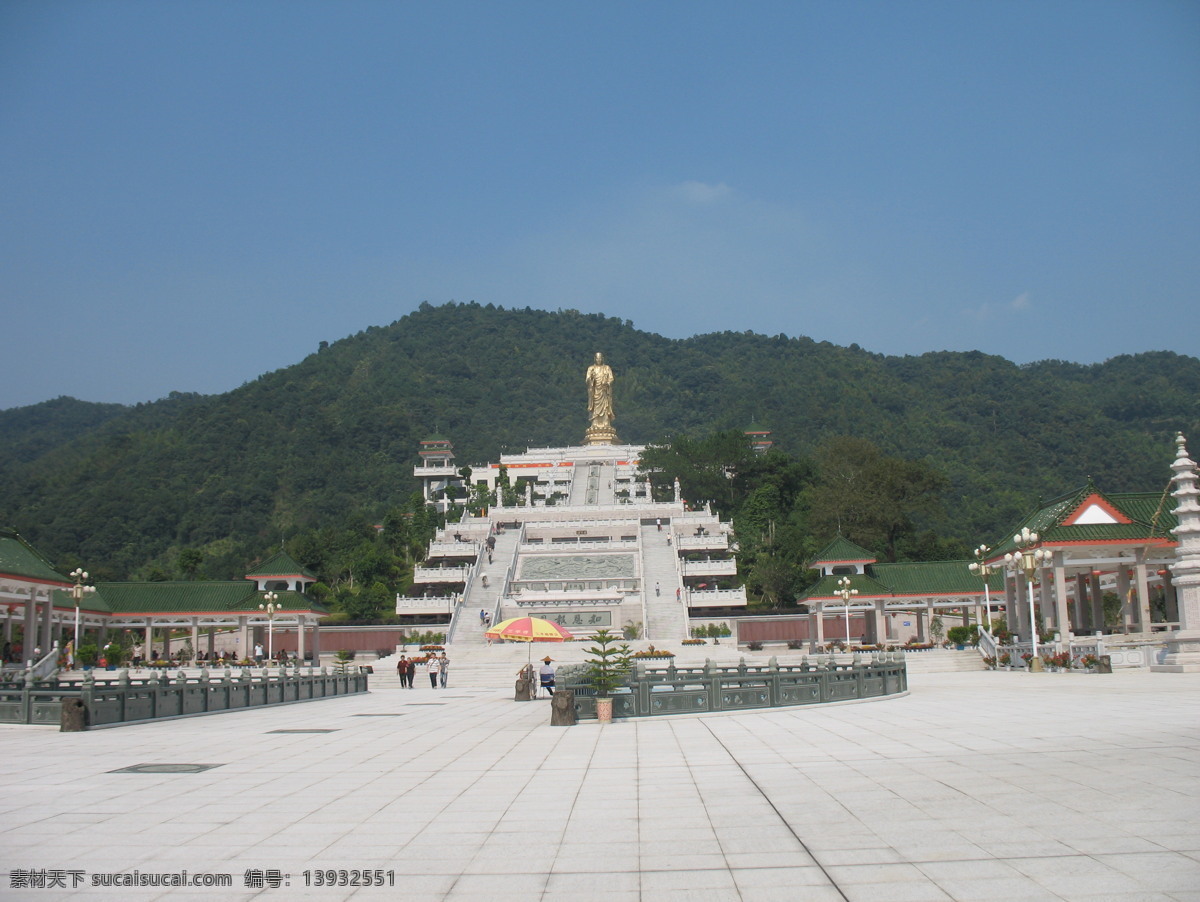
976,786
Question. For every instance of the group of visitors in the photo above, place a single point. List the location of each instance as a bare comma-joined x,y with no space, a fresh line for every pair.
438,669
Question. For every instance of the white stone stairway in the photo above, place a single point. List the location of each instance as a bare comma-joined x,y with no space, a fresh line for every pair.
469,629
944,660
667,617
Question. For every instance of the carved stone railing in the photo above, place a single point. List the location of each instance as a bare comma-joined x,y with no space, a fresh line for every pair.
691,690
710,568
699,598
441,574
126,700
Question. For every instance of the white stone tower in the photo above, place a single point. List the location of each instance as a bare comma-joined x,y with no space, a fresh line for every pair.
1183,645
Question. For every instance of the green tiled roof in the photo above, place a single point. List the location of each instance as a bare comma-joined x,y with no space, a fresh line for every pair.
841,549
281,564
915,578
179,597
1152,518
91,601
934,578
19,558
827,587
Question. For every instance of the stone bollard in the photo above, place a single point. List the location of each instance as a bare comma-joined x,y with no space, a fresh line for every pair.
562,708
74,716
525,686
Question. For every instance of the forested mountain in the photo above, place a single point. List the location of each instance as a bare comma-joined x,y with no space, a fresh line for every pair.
332,440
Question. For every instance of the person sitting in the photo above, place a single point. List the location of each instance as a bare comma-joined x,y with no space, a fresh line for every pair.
546,676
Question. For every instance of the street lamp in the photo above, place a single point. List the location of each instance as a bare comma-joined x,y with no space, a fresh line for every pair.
984,570
1027,559
273,606
77,592
846,592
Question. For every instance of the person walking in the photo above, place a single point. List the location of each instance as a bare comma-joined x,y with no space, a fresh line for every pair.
402,670
444,669
410,672
657,589
432,667
258,653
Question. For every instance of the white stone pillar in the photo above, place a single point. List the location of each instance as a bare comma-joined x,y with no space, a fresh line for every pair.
1083,605
1012,602
1096,600
1123,594
817,631
48,623
1142,588
300,624
1183,644
1062,613
149,651
243,637
195,637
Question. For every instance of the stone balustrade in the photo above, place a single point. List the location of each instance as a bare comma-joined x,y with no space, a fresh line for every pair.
691,690
125,700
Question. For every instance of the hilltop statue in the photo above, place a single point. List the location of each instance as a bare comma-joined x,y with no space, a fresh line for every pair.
600,404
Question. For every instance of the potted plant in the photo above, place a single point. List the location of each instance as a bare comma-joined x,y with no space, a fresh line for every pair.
87,655
962,636
608,667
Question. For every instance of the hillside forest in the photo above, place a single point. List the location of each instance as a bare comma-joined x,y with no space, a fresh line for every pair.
915,458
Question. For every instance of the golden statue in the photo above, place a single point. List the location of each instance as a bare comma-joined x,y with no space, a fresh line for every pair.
600,404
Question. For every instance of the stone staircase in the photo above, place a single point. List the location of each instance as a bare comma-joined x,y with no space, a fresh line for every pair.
667,617
944,660
469,629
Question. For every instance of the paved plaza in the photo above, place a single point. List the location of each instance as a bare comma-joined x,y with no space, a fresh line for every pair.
1005,786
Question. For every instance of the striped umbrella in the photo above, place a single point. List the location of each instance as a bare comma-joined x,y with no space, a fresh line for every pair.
529,629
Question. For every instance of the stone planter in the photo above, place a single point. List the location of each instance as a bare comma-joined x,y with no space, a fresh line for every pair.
604,710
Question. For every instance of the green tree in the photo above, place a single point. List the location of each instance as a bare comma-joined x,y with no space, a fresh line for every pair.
190,560
870,498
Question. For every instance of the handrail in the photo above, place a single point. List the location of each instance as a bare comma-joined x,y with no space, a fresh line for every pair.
987,644
45,668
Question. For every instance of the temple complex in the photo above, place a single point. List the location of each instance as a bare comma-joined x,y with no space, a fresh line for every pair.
580,540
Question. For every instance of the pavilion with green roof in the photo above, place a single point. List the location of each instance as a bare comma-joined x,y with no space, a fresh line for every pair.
27,584
1119,543
33,592
883,588
1099,542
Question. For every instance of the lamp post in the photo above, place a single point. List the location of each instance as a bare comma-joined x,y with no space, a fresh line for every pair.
1027,559
272,607
984,570
77,592
846,592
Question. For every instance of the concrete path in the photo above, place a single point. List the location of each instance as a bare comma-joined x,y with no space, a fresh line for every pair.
976,786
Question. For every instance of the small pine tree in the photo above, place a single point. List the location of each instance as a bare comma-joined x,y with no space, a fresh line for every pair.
609,664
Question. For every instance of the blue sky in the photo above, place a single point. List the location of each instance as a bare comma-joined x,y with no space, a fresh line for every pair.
197,193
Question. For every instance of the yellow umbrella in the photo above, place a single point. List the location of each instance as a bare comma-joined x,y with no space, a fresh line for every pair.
529,629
